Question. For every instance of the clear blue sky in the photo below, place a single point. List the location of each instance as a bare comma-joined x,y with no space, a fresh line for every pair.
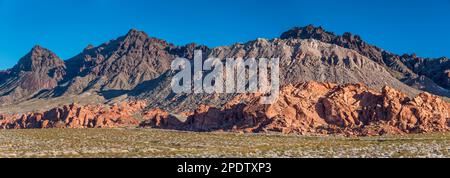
67,26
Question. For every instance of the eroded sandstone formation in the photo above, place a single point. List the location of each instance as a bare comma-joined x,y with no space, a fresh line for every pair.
74,116
309,108
160,118
322,108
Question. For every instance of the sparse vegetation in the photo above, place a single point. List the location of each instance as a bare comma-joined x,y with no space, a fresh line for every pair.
160,143
36,105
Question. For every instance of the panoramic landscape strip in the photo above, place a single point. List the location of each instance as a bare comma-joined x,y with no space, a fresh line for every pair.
224,79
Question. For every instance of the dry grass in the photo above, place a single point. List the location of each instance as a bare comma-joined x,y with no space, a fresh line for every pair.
159,143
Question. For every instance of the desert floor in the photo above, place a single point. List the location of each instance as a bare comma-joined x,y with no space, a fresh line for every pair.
159,143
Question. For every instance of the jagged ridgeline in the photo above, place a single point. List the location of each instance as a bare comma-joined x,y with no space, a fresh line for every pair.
136,66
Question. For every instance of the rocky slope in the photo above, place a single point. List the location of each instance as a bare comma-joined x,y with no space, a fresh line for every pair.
37,71
136,67
427,74
437,70
319,108
118,65
300,61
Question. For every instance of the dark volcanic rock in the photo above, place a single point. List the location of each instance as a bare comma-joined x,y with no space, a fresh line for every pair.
405,68
120,64
436,69
39,70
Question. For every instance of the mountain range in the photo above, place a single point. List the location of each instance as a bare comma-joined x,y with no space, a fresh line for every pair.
137,66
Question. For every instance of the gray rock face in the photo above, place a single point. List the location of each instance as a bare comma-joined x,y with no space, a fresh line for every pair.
300,61
405,68
305,60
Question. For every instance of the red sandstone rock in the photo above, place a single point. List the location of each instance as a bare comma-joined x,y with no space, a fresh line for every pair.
305,108
74,116
158,118
323,108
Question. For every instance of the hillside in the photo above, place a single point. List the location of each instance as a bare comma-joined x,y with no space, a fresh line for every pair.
137,66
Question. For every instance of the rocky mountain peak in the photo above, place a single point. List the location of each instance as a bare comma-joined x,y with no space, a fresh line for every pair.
39,58
351,38
307,32
89,47
347,39
136,39
135,34
37,48
40,69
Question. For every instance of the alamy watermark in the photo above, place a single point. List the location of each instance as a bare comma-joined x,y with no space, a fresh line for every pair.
235,76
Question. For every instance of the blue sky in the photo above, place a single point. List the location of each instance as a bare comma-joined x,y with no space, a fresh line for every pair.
68,26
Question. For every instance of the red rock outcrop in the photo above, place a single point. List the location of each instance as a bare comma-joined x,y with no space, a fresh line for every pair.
325,108
305,108
74,116
158,118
